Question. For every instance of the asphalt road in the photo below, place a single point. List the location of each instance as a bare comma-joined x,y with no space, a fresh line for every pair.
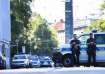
73,70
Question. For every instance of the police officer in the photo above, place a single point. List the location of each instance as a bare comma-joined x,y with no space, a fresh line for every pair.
91,45
75,48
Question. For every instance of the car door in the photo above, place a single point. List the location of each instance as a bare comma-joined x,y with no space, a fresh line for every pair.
83,56
100,43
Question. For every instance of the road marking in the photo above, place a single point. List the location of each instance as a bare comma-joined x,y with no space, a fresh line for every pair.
53,69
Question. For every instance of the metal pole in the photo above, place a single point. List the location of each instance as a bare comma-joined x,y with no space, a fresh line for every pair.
17,47
30,46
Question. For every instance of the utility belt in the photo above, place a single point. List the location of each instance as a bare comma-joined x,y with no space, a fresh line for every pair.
91,51
76,51
75,46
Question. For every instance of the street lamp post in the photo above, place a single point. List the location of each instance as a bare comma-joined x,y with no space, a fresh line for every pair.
30,47
17,41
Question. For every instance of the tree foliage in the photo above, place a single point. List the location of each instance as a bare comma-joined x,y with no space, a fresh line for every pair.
98,25
33,31
103,5
20,14
44,37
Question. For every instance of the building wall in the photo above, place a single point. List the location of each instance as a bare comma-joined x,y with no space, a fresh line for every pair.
5,29
59,27
61,38
79,30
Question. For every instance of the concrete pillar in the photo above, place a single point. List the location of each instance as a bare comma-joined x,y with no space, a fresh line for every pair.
5,27
68,20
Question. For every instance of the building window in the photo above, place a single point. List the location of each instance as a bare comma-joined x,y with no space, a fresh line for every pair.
60,31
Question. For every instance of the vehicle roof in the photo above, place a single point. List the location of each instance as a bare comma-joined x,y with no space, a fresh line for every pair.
100,33
93,33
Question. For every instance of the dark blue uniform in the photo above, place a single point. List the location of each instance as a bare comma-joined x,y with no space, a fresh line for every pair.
75,48
91,45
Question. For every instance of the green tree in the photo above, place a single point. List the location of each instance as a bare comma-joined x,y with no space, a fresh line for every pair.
20,14
102,7
42,35
31,31
98,25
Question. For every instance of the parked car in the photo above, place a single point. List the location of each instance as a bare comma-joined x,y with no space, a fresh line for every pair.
21,60
34,61
46,61
66,52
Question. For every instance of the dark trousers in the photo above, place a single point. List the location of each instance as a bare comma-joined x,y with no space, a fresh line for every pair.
76,54
92,58
76,59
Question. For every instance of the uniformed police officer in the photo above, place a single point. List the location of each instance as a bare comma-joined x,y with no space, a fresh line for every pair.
75,48
91,45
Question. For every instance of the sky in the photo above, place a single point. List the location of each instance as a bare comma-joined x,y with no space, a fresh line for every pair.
55,9
49,9
83,8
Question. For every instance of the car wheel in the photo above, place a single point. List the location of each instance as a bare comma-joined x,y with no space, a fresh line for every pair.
67,61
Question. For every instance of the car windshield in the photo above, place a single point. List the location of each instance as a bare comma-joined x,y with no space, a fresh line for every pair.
83,38
44,58
33,58
19,57
47,59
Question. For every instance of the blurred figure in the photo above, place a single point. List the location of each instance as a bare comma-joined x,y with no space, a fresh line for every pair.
91,45
75,48
57,58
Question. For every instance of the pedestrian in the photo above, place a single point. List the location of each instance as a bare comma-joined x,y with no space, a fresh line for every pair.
91,50
57,58
75,48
